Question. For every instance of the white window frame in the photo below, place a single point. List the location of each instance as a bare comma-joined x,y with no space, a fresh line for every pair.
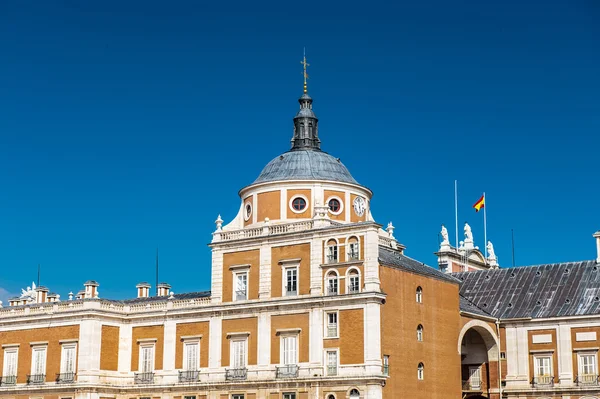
475,371
282,354
188,343
339,212
420,333
327,251
245,271
141,363
63,359
337,359
386,365
246,215
291,203
285,269
536,364
349,278
289,395
12,350
189,397
326,324
419,294
336,279
237,396
580,365
421,371
35,350
349,246
232,358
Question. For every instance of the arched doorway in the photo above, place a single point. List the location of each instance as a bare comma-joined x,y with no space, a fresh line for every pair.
478,348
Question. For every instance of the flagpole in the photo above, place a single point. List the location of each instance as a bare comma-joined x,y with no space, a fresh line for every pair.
485,225
456,210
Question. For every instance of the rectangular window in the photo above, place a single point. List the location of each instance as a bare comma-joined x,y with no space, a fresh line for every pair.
241,286
191,356
386,365
189,397
332,285
289,395
146,359
543,366
353,251
38,366
289,346
11,357
354,284
67,364
332,254
237,396
291,281
475,377
332,325
332,362
587,364
238,354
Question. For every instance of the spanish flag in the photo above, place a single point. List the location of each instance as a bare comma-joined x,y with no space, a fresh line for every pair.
479,204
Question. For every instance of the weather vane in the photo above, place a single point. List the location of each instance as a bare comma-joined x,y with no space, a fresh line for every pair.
305,64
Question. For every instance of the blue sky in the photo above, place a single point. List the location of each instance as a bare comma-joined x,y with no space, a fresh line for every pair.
128,126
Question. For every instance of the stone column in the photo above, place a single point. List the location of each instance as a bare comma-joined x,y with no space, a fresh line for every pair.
170,342
371,267
264,289
565,355
125,337
90,341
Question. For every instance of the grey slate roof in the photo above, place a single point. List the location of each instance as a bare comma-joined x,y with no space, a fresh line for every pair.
392,258
551,290
470,307
305,165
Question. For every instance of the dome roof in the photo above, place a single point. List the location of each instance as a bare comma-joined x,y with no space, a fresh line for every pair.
305,165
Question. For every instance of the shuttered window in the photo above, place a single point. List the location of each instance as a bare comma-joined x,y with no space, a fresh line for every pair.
238,354
10,362
68,359
147,359
290,350
39,361
192,356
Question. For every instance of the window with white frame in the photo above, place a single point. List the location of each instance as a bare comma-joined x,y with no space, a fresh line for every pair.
421,371
38,360
419,333
11,358
289,350
475,377
332,283
332,362
146,364
353,248
190,397
419,295
587,366
191,355
542,365
353,281
67,362
241,286
237,396
354,394
386,365
331,327
291,281
238,353
289,395
332,251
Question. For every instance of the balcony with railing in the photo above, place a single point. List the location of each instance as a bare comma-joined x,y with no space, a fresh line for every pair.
287,371
587,380
331,258
189,376
65,378
8,380
353,289
332,369
143,378
36,379
236,374
469,385
331,291
241,295
542,381
332,331
353,255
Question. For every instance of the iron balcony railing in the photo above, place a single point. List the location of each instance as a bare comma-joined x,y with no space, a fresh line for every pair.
468,385
241,295
587,379
65,378
332,291
36,379
331,258
189,376
332,369
287,371
353,289
8,380
543,381
143,378
353,255
332,330
236,374
291,292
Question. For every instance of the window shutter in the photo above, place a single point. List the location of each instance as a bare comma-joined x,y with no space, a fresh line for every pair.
11,363
68,365
40,361
192,356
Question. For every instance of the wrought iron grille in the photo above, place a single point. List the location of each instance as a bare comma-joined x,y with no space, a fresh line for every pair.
36,379
287,371
65,378
143,378
189,376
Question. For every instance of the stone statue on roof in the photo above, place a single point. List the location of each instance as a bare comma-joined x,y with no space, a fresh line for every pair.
468,233
445,239
490,251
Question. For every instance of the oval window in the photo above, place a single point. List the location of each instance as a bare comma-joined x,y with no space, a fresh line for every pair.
334,205
299,204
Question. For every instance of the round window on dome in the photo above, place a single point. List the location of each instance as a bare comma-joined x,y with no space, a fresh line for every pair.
247,211
335,206
298,204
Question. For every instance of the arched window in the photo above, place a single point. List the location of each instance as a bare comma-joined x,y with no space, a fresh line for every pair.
354,394
353,249
419,295
331,396
332,251
331,282
353,281
420,333
420,371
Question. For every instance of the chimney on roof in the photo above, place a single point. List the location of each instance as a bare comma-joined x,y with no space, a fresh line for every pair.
597,237
52,297
143,290
14,301
163,289
91,289
80,294
41,294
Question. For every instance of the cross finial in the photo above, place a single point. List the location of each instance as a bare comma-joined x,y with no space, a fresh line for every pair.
305,64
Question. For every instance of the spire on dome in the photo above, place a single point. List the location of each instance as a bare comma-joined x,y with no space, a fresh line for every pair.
306,133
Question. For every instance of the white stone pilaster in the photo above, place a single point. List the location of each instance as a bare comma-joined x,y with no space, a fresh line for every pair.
214,344
217,276
316,274
264,340
283,204
87,395
517,357
125,337
374,391
318,195
169,345
315,341
254,208
565,354
371,277
348,206
90,341
264,288
372,341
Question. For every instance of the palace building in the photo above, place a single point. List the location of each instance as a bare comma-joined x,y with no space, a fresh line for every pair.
311,299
